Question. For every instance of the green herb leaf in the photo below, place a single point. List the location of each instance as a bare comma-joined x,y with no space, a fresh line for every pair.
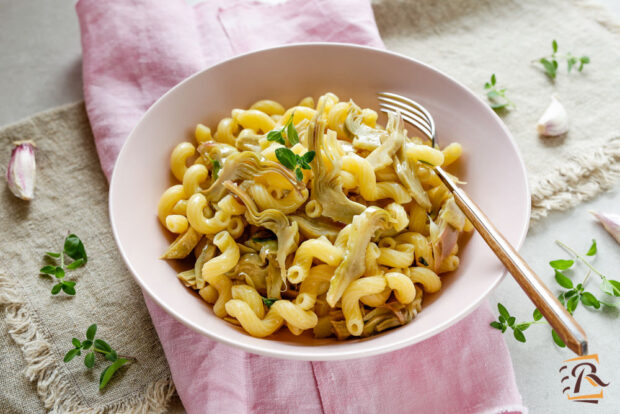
556,338
263,239
511,321
561,264
74,248
109,372
519,335
56,288
503,311
592,250
291,133
299,174
550,67
71,354
502,319
91,332
89,360
48,270
522,326
286,158
76,343
571,61
308,156
52,254
570,293
563,280
102,346
497,325
302,163
68,289
615,286
582,61
496,97
216,168
572,303
87,344
561,299
537,315
422,261
112,356
554,45
268,301
589,299
76,264
276,135
59,272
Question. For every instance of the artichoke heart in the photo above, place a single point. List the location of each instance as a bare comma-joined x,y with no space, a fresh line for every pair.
247,165
327,184
353,265
272,219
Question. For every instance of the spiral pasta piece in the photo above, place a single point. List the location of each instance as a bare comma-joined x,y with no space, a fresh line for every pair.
426,277
309,250
199,222
367,181
178,159
350,301
213,270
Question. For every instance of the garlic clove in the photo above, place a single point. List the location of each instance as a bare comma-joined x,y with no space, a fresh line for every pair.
554,121
611,222
21,172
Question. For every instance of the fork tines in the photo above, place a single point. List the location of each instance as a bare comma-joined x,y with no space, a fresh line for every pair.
411,111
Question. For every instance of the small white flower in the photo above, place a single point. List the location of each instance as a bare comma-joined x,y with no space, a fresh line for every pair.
554,121
21,172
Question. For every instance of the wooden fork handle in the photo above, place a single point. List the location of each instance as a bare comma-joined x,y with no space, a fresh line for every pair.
558,317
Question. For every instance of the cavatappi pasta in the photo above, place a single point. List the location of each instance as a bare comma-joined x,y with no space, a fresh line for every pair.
313,217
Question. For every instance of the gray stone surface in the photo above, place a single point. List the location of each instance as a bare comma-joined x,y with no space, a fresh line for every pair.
40,67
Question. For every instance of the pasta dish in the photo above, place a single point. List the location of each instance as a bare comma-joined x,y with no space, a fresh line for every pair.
313,217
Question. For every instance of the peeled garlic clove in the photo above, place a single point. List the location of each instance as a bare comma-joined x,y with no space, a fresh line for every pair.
611,222
22,170
554,120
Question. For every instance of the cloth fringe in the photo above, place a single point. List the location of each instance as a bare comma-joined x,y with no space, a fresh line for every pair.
54,389
580,179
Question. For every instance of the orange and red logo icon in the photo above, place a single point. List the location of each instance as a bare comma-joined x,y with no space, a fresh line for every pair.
581,381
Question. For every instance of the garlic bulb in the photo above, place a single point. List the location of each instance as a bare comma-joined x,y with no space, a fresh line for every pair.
22,170
611,222
554,120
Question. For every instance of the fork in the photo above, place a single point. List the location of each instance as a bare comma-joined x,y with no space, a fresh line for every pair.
558,317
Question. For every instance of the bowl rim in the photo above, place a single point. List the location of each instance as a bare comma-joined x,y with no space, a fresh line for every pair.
301,353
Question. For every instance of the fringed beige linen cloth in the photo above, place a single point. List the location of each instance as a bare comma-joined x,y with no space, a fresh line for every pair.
467,39
71,196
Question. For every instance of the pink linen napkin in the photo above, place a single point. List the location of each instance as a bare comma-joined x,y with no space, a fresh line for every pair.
135,51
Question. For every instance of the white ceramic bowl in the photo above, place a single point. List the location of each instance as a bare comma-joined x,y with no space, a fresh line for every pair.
491,165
